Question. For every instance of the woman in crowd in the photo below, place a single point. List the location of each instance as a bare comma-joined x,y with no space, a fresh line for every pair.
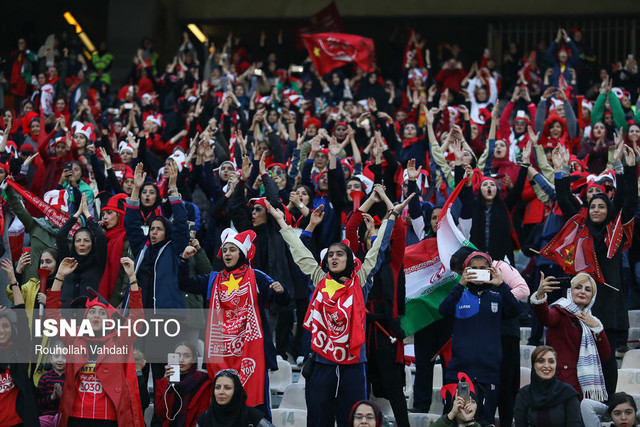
547,401
622,410
238,292
365,414
99,389
113,283
88,248
17,398
229,404
182,403
592,230
575,334
338,378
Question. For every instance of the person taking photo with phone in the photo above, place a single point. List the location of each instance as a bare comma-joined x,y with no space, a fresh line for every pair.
575,334
478,306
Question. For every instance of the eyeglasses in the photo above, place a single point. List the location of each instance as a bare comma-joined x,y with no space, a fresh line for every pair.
227,371
369,417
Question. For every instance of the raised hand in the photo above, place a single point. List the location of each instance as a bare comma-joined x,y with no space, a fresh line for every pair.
189,251
546,285
66,267
412,172
316,216
127,265
400,206
139,176
7,266
246,168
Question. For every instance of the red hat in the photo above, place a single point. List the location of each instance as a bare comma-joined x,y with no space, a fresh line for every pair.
262,201
27,148
99,301
117,203
476,254
312,121
244,241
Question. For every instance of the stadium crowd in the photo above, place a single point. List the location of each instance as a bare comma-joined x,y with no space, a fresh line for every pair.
282,201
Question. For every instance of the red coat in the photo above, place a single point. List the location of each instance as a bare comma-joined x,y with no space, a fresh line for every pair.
564,334
197,404
118,379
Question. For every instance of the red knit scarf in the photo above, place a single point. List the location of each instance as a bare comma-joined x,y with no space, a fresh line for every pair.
336,320
234,331
115,245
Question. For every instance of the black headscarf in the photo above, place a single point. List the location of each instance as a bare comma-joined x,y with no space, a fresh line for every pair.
348,270
599,230
500,241
233,414
544,394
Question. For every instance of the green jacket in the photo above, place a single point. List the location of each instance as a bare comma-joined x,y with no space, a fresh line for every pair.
616,109
42,232
444,421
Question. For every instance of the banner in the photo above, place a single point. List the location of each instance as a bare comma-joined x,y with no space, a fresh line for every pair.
426,265
54,215
332,50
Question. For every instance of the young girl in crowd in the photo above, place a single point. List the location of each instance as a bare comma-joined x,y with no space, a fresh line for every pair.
100,389
180,404
338,377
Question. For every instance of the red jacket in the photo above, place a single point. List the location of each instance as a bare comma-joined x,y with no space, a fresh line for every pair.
196,405
118,379
564,334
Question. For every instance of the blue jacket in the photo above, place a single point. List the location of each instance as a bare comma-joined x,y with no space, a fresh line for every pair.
476,344
164,286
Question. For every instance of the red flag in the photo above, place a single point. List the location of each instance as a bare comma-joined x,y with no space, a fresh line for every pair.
326,21
332,50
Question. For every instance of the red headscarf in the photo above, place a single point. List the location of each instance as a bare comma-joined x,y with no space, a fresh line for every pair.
115,245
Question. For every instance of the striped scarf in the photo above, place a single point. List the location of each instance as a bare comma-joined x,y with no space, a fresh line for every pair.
589,367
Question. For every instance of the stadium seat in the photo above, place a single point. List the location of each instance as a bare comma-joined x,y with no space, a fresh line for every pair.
293,397
525,376
437,404
422,420
634,318
525,355
631,360
279,380
437,376
629,381
384,405
287,417
525,333
634,338
408,382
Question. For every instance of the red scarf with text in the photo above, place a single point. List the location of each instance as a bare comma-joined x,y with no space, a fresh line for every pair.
336,320
234,331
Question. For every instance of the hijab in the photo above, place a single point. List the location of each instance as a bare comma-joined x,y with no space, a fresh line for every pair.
348,270
233,414
545,394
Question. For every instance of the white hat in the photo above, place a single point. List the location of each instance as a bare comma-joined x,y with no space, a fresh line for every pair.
244,241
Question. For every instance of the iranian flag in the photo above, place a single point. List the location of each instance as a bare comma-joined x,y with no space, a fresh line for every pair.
426,268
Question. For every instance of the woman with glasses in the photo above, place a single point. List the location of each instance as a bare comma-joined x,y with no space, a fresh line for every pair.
229,404
365,414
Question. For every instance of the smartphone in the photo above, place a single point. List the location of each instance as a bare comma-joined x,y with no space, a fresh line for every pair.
257,72
128,105
112,111
192,230
173,360
481,275
563,282
68,167
26,251
297,68
463,391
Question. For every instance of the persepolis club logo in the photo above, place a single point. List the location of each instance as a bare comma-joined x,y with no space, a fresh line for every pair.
338,49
